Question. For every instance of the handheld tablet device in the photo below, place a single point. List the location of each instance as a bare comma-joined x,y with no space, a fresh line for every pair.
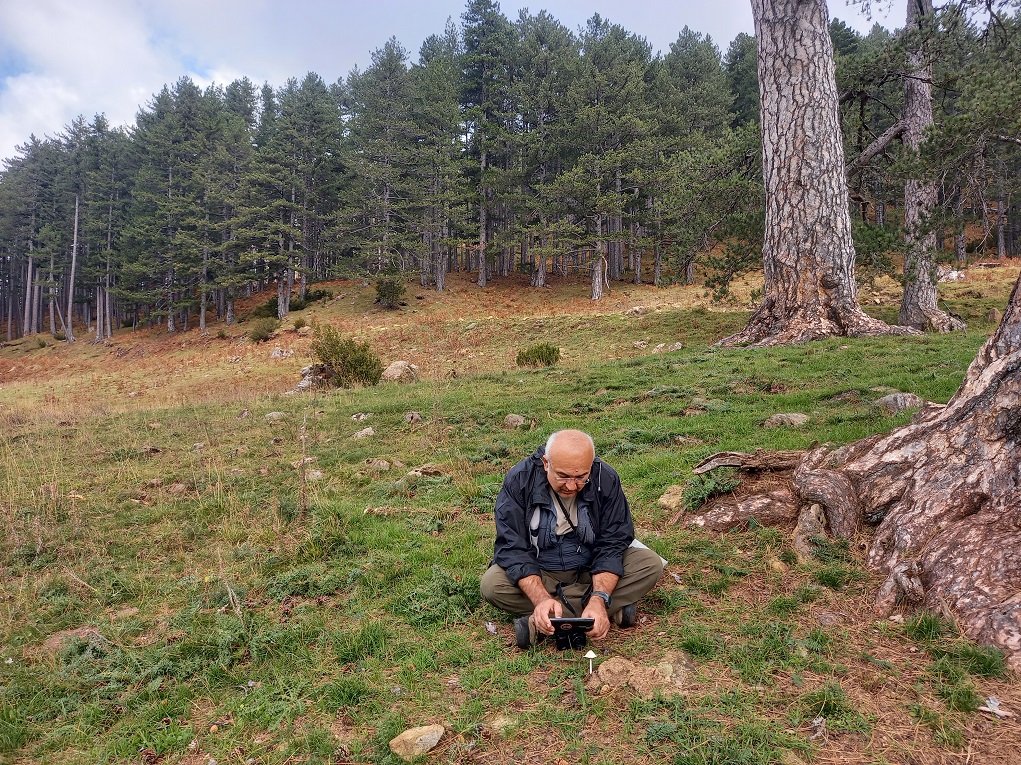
570,624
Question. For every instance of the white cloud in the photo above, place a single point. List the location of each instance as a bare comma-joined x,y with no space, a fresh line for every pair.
86,57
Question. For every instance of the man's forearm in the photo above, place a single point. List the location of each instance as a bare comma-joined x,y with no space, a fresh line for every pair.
533,588
604,581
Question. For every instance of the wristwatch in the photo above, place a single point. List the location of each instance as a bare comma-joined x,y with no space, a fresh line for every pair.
604,595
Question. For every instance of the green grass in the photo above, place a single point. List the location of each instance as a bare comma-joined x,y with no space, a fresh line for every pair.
224,586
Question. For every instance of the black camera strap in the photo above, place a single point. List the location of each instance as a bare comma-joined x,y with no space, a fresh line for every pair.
577,574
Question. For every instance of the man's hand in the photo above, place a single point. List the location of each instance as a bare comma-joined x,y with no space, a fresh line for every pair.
596,610
544,606
544,611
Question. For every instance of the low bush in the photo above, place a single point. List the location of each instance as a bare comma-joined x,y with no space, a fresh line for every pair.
701,488
299,323
347,363
389,291
266,310
263,329
539,355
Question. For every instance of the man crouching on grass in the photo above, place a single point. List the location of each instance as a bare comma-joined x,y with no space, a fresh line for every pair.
563,546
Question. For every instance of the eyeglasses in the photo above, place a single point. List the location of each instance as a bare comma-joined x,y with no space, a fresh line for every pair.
579,480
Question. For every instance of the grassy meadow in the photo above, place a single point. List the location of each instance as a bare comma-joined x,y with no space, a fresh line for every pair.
184,579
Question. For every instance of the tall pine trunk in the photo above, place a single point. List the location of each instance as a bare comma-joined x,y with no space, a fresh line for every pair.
68,331
808,255
919,307
483,220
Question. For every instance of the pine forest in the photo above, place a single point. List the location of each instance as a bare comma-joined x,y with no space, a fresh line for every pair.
505,145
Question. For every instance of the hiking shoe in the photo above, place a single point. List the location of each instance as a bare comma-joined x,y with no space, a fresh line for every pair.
627,616
524,632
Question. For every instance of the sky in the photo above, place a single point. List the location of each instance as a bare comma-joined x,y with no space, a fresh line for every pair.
64,58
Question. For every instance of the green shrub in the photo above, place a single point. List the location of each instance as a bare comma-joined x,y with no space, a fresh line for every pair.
263,329
539,355
266,310
701,488
347,363
299,323
313,295
389,291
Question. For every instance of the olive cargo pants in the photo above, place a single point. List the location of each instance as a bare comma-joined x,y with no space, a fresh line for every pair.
642,569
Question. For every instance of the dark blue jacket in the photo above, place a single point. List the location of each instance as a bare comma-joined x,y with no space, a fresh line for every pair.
526,489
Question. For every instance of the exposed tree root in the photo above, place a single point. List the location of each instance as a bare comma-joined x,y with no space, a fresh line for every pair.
768,328
943,493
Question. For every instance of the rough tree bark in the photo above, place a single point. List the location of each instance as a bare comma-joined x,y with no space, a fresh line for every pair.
808,254
943,493
918,306
68,329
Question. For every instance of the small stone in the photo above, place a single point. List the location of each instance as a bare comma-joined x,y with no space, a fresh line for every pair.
777,565
315,475
376,465
789,758
994,316
429,468
789,420
672,499
500,723
359,416
364,433
280,353
400,372
615,671
640,343
177,488
199,447
828,619
512,421
416,742
275,416
895,403
413,417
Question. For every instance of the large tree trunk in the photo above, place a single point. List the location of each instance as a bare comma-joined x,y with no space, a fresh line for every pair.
538,278
808,254
68,330
483,220
944,493
918,306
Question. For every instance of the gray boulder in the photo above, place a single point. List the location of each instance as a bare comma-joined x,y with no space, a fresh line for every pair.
416,742
401,372
895,403
789,420
513,421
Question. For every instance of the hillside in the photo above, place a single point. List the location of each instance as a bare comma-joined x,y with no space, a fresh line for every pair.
196,567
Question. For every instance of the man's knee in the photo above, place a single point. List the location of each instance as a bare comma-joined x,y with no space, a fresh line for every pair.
642,569
494,584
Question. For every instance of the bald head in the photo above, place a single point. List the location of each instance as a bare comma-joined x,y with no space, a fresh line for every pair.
568,461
